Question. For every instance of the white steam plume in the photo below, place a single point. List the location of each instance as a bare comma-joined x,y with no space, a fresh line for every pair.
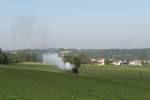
56,60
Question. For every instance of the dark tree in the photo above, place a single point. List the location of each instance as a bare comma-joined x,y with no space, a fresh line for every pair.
3,57
76,63
84,58
107,62
69,58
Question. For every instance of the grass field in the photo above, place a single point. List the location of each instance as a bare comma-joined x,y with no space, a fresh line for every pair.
44,82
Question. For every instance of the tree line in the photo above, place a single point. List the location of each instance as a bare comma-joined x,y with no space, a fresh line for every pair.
84,54
19,56
3,57
118,54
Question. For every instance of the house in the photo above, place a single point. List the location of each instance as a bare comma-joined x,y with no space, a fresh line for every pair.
135,62
93,60
101,61
139,63
117,62
98,61
148,62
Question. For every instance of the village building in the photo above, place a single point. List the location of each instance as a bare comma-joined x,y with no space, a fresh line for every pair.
99,61
140,62
117,62
135,62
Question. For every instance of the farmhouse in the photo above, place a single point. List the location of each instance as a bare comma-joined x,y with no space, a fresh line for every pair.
117,62
99,61
140,62
135,62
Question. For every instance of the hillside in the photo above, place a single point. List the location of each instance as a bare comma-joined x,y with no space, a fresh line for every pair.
17,82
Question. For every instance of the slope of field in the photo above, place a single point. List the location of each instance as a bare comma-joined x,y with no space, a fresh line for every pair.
44,82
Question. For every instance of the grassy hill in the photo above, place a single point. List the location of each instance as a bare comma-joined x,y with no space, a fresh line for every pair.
44,82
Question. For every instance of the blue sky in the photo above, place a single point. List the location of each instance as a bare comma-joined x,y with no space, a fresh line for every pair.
74,23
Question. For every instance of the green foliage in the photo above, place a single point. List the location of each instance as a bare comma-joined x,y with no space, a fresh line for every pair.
84,54
115,53
23,56
84,58
107,62
76,62
15,57
142,63
68,58
146,63
3,58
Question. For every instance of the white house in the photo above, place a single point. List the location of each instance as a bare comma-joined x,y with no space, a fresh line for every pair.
101,61
138,62
135,63
93,60
117,62
98,61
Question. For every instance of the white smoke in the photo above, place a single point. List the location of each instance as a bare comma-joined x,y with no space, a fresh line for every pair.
56,60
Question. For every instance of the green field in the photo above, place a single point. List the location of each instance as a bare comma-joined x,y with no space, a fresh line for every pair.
44,82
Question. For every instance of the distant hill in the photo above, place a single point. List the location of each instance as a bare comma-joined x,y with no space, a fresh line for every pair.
115,53
97,53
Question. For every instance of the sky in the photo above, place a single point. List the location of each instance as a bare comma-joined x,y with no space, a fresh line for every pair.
78,24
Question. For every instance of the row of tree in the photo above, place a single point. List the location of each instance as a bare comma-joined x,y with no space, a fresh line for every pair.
3,58
18,56
82,56
129,54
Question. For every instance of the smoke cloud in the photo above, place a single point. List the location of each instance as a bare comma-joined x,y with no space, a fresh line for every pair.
58,61
30,33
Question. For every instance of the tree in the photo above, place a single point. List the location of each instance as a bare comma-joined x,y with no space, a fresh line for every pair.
69,58
142,63
3,57
146,63
107,62
15,58
76,62
84,58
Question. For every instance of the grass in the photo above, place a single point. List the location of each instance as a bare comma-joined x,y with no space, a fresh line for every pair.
44,82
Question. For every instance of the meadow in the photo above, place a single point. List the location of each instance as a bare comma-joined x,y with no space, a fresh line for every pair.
35,81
